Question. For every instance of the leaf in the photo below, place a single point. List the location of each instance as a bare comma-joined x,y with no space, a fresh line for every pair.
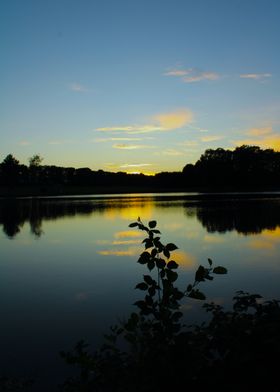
171,275
189,287
200,274
220,270
210,262
148,279
153,252
196,294
144,258
166,253
176,316
133,224
172,264
171,247
156,231
151,265
148,243
152,224
160,263
142,286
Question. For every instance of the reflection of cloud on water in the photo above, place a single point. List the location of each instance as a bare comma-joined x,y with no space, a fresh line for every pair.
184,259
213,239
268,240
128,234
126,252
173,226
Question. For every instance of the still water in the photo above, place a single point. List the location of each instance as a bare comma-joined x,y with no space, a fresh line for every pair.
68,266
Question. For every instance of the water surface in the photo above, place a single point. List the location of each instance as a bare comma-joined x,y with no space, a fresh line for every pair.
68,265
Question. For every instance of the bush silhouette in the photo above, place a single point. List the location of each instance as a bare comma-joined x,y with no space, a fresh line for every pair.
154,351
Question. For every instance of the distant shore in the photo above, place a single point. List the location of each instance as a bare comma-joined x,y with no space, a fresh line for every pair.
61,191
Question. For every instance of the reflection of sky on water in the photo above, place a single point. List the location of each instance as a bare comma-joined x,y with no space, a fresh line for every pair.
77,276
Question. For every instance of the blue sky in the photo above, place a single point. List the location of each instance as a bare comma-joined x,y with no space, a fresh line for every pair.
137,86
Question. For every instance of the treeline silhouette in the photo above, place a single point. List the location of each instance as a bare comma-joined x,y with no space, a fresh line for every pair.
246,167
247,216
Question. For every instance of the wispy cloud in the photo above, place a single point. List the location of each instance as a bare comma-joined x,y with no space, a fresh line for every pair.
174,120
133,165
77,87
131,146
171,152
264,137
160,122
207,139
116,139
255,76
192,75
24,143
259,131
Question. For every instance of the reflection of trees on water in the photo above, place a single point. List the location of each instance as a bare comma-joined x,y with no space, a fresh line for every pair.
14,213
244,216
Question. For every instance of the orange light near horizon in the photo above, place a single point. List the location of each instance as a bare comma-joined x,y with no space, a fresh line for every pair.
137,172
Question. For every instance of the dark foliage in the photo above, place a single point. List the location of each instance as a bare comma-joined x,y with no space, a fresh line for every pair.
154,351
247,167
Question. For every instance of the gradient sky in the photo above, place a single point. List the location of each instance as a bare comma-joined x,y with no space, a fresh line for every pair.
137,86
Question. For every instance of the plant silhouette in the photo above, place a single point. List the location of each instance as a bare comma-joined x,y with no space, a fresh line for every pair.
153,351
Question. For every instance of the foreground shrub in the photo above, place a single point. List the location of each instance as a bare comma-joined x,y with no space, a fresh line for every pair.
154,351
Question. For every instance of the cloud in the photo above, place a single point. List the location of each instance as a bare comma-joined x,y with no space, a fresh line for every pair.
192,75
174,120
172,152
131,128
131,146
77,87
263,137
198,76
115,139
207,139
259,131
255,76
160,122
24,143
271,141
128,165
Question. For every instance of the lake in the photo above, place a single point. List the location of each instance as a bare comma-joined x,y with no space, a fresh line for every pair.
69,266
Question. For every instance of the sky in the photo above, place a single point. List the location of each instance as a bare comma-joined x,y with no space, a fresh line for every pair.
137,85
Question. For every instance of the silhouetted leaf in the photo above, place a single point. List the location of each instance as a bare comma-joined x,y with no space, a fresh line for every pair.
152,224
171,275
148,243
153,252
144,258
210,262
171,247
156,231
133,224
200,274
151,265
176,316
197,294
172,264
141,286
189,287
166,253
149,280
160,263
220,270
